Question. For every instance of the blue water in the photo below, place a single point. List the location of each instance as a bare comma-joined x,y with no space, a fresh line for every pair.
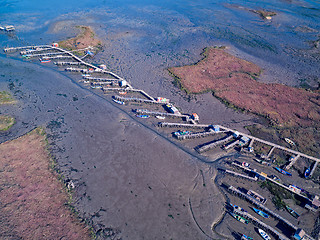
174,28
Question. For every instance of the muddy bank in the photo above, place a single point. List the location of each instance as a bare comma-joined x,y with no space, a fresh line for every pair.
33,201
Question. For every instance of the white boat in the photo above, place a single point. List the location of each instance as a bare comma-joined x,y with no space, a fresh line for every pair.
161,117
289,141
264,235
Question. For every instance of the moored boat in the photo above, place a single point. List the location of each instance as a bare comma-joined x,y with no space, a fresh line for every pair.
143,116
119,102
264,235
122,93
289,141
161,117
237,207
44,60
283,171
292,212
307,172
261,213
245,237
239,218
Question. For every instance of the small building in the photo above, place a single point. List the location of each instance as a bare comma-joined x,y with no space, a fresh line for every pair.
103,66
215,128
250,149
195,116
295,189
236,134
55,44
172,109
299,234
316,202
162,100
263,176
244,140
123,83
9,28
256,196
90,53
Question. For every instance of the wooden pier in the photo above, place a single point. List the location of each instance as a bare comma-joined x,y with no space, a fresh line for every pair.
261,206
100,79
239,174
196,135
56,57
292,161
231,144
184,125
67,63
213,144
262,225
133,99
148,112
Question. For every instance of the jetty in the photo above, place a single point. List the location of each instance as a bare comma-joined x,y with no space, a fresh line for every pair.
148,112
197,135
213,144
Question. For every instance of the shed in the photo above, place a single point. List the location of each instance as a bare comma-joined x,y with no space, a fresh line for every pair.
123,83
195,116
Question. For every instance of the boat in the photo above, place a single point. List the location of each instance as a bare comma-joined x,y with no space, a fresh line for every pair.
86,75
161,117
283,171
289,141
264,235
245,237
122,93
181,133
44,60
292,212
119,102
143,116
238,208
261,213
239,218
307,172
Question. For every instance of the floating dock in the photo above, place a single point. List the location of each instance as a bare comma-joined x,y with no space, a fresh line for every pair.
133,99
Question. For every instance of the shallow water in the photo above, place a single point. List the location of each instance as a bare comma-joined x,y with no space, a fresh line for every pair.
129,178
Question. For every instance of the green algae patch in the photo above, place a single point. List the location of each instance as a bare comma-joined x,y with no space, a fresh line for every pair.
6,122
6,98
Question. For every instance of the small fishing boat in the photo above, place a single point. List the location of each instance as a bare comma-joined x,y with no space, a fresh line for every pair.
44,60
239,218
245,237
261,213
85,75
161,117
181,133
289,141
264,235
292,212
143,116
307,172
119,102
283,171
238,208
122,93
